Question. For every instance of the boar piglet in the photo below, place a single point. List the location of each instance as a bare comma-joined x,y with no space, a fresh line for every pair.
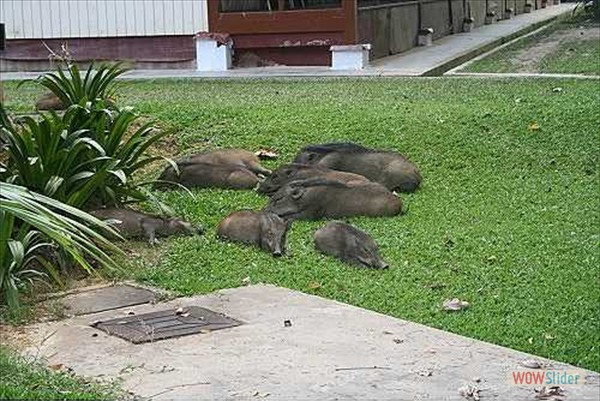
388,168
349,244
295,172
132,224
265,230
205,175
319,198
230,157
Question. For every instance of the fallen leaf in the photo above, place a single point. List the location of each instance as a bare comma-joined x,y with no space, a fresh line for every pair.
265,153
531,364
246,281
547,392
313,285
57,366
492,258
469,392
425,372
436,286
179,311
477,379
548,336
534,126
557,89
287,323
454,304
530,340
398,340
186,314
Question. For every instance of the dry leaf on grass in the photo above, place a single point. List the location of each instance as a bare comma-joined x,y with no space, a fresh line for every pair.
313,285
454,304
534,126
265,153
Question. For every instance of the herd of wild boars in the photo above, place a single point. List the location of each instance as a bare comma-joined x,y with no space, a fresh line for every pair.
333,180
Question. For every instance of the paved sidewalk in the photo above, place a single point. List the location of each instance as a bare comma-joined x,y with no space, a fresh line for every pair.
327,351
453,50
444,54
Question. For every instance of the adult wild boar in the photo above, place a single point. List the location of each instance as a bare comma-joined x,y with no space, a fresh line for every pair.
204,175
296,172
49,101
389,168
265,230
230,157
319,198
349,244
133,224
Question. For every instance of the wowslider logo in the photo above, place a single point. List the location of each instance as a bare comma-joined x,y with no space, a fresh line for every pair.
546,377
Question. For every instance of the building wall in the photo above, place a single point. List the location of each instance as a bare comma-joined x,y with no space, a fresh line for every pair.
53,19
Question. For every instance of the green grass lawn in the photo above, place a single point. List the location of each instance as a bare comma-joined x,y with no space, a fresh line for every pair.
571,46
507,218
28,380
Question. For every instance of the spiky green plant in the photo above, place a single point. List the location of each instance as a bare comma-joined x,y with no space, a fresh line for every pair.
25,218
98,84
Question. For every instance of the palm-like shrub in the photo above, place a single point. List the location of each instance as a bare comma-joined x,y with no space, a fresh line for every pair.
25,217
98,83
86,158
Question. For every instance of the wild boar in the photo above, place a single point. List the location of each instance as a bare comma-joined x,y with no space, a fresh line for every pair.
349,244
319,198
49,101
133,224
265,230
204,175
296,172
230,157
389,168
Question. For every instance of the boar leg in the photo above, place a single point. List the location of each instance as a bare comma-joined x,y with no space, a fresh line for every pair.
256,168
150,232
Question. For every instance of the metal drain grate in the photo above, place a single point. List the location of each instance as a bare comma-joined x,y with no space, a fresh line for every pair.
166,324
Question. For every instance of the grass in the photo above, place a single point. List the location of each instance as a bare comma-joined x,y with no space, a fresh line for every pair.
29,380
570,54
507,218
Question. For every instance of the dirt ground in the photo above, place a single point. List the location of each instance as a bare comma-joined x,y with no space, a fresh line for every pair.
529,57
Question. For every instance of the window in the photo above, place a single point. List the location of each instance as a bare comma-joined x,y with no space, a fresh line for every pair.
226,6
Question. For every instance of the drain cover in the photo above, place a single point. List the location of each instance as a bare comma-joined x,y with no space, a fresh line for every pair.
166,324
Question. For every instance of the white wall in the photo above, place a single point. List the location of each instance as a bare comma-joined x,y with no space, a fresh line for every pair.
45,19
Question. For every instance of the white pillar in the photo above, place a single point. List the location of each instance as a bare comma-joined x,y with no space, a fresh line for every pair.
213,51
350,57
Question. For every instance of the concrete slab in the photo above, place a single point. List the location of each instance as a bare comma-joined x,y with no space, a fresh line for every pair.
106,298
327,351
453,50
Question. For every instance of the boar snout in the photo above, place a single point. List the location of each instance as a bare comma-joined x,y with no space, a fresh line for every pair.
383,265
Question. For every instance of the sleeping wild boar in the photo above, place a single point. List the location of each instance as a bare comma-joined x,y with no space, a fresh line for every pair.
318,198
296,172
132,224
390,169
230,157
349,244
203,175
265,230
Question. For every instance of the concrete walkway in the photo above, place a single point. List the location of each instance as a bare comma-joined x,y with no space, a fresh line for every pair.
327,351
453,50
444,54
